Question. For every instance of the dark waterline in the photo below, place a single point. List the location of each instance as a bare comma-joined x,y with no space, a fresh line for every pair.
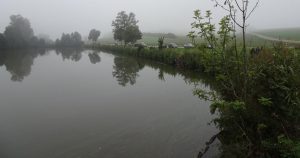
85,104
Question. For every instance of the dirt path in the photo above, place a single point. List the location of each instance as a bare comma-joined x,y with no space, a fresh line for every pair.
275,39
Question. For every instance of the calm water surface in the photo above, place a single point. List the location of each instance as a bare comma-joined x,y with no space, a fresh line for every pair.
87,104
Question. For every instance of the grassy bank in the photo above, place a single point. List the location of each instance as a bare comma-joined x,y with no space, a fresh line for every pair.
195,59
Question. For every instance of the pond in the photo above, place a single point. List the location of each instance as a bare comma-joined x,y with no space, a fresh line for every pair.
91,104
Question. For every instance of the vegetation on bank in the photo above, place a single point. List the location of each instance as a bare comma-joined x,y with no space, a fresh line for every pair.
257,98
266,124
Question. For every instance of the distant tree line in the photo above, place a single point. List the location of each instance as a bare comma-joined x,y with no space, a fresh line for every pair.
69,40
19,34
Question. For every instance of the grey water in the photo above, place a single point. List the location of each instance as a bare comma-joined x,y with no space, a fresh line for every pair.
92,104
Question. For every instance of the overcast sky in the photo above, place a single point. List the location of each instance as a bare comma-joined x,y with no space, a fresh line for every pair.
54,17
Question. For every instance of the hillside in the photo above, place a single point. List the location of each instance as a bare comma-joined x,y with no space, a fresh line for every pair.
283,33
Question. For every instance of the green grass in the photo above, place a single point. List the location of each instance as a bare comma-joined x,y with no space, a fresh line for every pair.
151,40
284,33
180,40
254,41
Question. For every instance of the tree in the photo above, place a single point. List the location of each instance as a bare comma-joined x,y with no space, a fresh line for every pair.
237,8
19,32
125,28
161,43
244,10
2,41
76,39
46,38
94,35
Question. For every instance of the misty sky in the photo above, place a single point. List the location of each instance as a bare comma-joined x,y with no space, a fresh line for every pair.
54,17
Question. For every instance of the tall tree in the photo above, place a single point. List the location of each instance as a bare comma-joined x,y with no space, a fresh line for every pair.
125,28
76,39
19,32
2,41
94,35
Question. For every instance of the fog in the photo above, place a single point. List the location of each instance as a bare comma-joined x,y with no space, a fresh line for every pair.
53,17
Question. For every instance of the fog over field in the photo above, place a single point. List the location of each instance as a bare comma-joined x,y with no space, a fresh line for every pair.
54,17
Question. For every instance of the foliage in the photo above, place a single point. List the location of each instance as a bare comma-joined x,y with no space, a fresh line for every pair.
94,35
248,128
2,41
69,40
35,42
19,32
161,43
125,28
254,113
46,38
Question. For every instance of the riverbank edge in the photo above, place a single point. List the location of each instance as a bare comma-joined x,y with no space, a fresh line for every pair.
190,59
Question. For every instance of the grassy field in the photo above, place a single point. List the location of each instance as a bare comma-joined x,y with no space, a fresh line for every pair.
252,40
285,33
151,40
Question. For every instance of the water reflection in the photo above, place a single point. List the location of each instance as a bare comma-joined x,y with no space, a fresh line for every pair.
76,112
94,57
190,77
70,53
161,75
126,70
19,63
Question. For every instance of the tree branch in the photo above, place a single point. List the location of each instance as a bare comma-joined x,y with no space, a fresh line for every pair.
256,5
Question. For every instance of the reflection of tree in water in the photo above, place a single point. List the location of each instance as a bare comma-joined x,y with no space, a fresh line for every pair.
161,75
189,76
19,63
94,57
70,53
126,70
